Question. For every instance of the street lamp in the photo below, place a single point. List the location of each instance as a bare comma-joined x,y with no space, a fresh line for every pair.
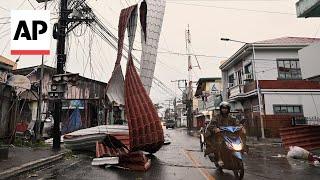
255,77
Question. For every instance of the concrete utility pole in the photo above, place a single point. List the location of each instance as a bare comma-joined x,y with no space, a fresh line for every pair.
60,79
189,89
61,60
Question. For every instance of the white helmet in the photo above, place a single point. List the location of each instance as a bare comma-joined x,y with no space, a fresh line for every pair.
225,104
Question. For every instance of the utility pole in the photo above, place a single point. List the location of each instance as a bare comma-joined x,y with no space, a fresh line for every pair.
261,112
60,79
189,89
169,107
61,60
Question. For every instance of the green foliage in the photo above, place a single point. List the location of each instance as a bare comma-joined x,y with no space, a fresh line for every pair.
19,142
69,155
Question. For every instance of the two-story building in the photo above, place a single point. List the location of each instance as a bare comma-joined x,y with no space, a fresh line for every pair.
275,67
207,99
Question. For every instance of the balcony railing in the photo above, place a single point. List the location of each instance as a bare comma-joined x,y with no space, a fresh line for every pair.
236,90
250,86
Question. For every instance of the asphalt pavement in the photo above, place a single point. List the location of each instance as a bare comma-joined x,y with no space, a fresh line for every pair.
182,159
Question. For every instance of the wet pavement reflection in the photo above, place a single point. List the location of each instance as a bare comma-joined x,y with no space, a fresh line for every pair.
182,159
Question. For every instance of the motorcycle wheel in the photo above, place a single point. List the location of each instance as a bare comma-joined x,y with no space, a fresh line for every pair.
239,173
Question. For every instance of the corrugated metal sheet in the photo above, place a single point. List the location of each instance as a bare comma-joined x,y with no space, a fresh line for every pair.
307,137
151,18
115,88
144,123
105,151
145,130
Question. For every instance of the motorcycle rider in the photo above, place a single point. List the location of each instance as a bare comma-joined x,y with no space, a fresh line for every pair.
213,140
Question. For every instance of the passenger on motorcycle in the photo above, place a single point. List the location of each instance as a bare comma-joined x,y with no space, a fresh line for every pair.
212,138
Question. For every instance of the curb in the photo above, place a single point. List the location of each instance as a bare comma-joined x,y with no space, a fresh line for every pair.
15,171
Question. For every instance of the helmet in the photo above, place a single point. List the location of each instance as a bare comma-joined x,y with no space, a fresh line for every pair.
225,104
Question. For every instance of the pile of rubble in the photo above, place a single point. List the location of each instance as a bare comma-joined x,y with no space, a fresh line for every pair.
111,145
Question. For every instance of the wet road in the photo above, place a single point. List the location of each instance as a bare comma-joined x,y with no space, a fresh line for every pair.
182,159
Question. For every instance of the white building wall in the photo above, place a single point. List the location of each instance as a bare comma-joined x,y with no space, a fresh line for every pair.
266,64
310,103
224,84
310,62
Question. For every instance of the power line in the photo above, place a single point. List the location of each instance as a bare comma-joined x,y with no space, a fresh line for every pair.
3,8
203,55
31,5
155,80
21,4
185,54
231,8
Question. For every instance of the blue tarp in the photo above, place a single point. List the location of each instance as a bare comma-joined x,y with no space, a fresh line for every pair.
74,122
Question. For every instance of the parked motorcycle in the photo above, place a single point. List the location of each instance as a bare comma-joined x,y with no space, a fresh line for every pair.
231,151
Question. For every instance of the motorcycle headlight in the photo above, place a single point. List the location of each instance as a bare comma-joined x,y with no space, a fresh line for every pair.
237,147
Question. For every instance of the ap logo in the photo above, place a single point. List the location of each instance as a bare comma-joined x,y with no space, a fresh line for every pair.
30,32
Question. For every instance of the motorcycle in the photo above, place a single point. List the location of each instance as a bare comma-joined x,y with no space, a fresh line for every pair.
231,151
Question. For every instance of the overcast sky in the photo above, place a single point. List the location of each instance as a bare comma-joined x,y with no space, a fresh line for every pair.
209,20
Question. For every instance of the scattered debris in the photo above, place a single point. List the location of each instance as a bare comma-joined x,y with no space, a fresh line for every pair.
85,139
117,144
105,161
50,141
296,152
33,175
167,140
279,156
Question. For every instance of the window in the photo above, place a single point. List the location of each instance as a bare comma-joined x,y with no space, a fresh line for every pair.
287,109
248,69
239,77
289,69
231,80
